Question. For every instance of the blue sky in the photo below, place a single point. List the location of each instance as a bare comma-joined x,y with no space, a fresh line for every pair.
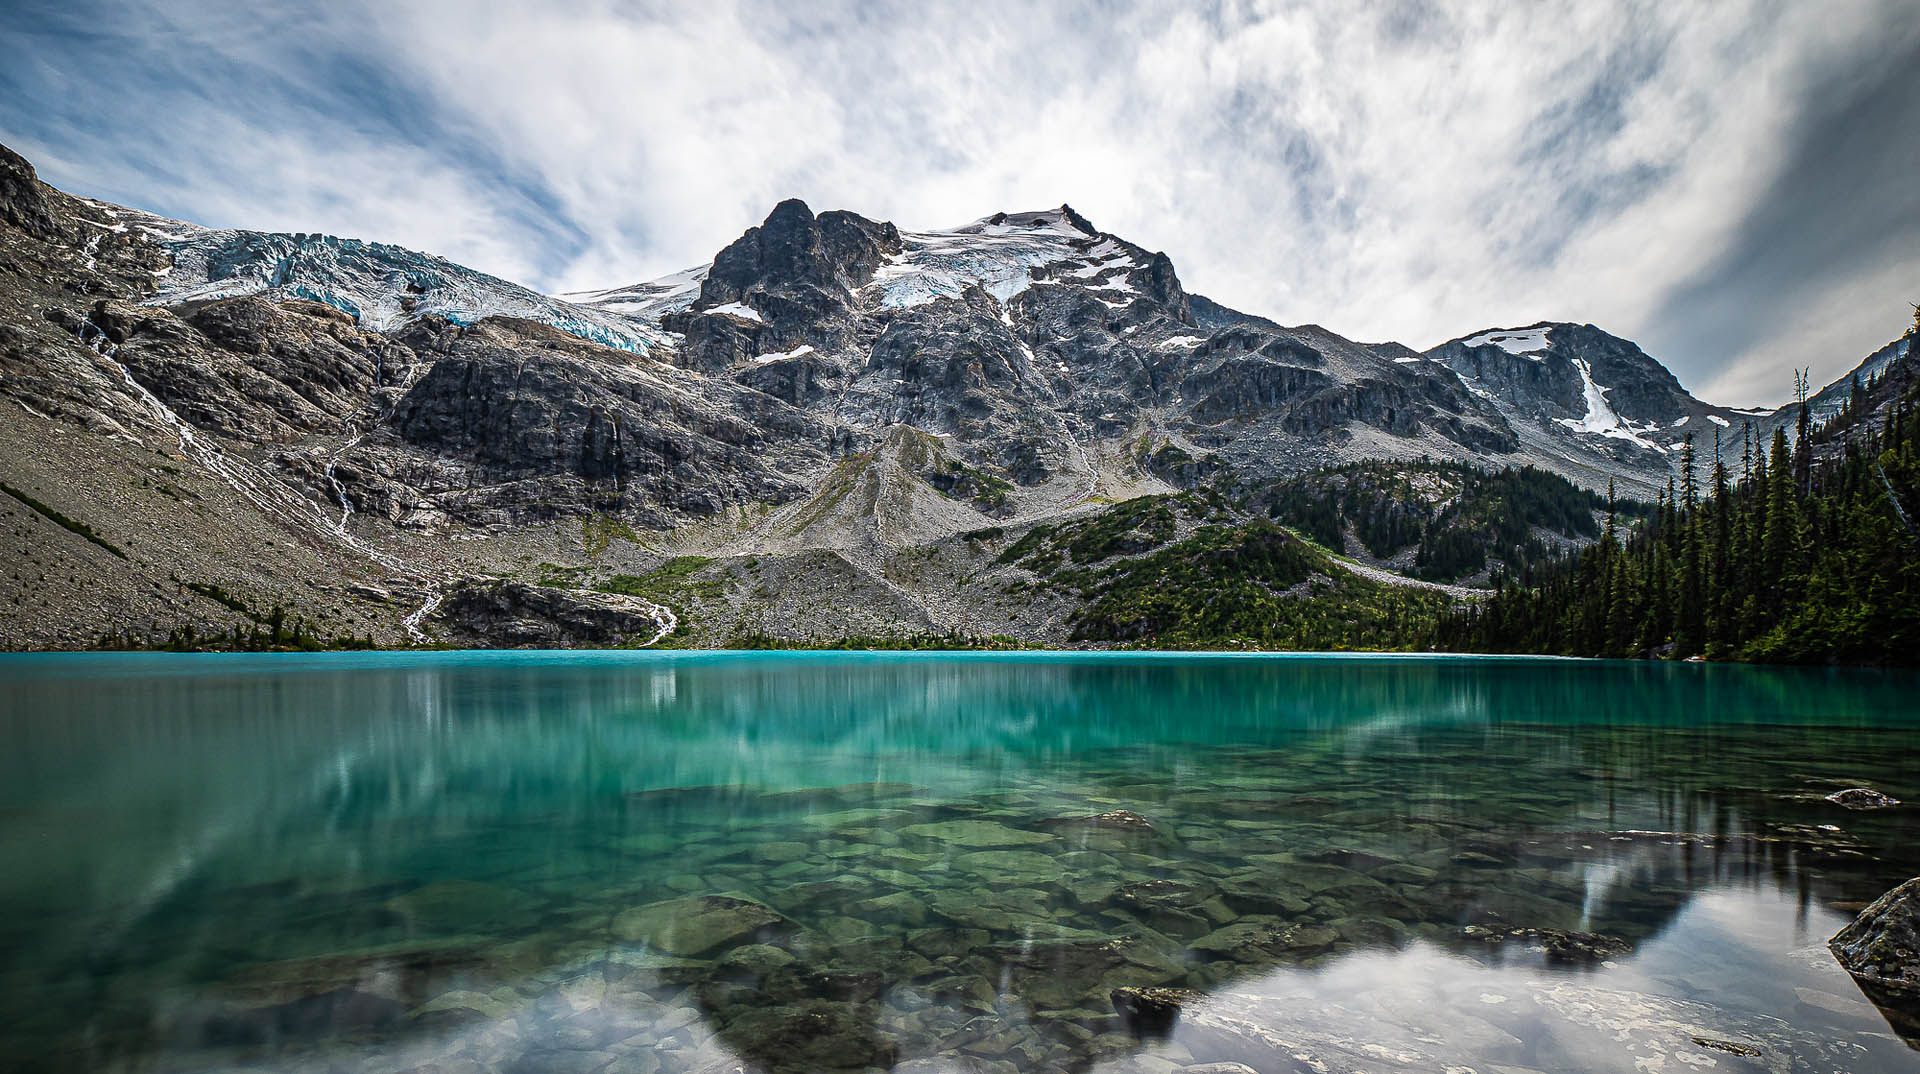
1732,185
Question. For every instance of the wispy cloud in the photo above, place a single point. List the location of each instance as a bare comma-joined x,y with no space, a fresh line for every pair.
1730,184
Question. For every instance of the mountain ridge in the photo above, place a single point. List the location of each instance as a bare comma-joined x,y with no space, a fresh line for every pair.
381,424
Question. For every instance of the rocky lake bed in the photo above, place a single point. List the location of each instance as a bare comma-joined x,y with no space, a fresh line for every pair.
1516,896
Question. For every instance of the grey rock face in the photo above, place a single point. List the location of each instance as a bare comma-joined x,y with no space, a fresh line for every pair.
794,249
254,370
518,403
784,284
514,614
951,368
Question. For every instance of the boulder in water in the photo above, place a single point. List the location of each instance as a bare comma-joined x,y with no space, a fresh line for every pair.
1862,798
1561,946
1882,946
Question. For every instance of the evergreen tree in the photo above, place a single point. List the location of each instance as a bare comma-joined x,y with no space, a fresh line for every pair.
1782,527
1687,639
1721,583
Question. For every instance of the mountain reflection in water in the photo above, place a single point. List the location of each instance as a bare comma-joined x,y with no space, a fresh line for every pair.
849,861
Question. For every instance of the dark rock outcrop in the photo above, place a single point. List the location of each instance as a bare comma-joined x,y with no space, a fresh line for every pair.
516,615
1881,947
249,369
1862,798
786,283
584,428
23,198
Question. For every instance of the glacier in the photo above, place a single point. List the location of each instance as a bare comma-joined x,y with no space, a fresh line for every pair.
383,287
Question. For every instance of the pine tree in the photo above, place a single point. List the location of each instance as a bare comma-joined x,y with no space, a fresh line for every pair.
1687,639
1721,584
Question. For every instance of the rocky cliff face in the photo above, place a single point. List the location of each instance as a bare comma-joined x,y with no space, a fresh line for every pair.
1585,390
384,419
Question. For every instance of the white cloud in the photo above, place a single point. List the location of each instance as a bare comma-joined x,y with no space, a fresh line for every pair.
1400,171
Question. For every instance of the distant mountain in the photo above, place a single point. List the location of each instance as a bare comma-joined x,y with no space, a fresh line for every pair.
1829,400
1572,383
357,431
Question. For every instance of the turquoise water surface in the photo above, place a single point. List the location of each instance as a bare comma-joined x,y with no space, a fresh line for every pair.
583,862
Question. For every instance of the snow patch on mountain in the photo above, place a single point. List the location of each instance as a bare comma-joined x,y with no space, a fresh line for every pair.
781,356
1519,341
648,301
740,310
997,254
1600,417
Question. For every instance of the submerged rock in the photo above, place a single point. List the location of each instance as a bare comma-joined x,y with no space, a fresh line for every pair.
975,833
1262,942
466,1002
1882,945
811,1035
759,959
694,926
1731,1047
1561,946
1862,798
1121,825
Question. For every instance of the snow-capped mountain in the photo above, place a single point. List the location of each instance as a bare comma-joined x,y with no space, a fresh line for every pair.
1090,341
1580,385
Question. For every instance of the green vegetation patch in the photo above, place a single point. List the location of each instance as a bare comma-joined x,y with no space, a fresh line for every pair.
674,585
1247,585
598,530
58,519
1457,518
1128,528
958,481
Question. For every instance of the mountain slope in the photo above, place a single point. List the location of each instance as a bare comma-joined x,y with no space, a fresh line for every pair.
356,431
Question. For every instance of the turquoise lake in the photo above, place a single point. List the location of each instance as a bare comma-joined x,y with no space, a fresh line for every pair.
585,862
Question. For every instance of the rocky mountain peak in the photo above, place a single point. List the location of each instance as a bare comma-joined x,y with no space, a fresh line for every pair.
794,250
1074,218
23,200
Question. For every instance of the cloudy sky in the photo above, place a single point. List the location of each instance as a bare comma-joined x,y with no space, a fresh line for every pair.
1735,186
